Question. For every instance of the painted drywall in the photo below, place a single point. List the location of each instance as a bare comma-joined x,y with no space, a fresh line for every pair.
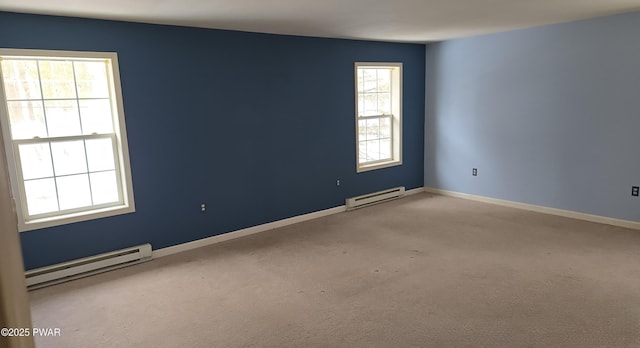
14,302
549,116
257,126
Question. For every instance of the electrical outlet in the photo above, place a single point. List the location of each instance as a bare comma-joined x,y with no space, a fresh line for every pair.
337,182
474,172
635,190
203,207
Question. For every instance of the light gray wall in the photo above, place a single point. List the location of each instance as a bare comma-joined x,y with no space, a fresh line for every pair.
549,115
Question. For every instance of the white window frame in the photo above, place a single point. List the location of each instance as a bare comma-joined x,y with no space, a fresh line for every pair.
121,148
396,117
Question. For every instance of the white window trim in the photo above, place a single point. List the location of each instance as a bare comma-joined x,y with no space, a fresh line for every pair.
396,124
120,131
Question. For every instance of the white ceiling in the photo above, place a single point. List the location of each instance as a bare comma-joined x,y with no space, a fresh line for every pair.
390,20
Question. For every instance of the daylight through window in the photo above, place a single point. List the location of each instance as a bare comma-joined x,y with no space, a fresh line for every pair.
65,138
378,115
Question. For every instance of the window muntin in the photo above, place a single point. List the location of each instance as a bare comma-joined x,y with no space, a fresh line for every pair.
64,130
378,115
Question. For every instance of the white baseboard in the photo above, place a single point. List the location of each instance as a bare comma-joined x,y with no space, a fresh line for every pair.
413,191
245,232
256,229
539,209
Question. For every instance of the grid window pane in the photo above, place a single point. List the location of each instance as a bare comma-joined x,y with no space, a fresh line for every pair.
384,103
370,80
385,127
35,160
362,155
57,79
377,102
21,79
360,80
27,119
370,105
73,191
41,196
384,80
96,116
62,118
373,129
69,157
362,130
374,91
100,154
91,79
373,150
104,187
385,148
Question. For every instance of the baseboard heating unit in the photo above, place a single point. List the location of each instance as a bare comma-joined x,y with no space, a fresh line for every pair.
374,198
45,276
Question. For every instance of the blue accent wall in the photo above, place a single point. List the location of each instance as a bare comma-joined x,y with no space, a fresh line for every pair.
258,126
549,115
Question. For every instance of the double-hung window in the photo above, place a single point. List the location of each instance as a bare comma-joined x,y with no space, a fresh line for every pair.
378,115
65,138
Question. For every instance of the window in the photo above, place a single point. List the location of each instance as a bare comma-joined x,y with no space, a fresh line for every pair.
65,139
378,115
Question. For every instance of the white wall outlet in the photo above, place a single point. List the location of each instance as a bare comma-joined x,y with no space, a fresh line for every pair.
337,182
203,207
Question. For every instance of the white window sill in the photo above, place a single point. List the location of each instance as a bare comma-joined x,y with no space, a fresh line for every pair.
75,217
379,165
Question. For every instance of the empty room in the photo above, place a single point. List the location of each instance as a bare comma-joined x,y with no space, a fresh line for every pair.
319,174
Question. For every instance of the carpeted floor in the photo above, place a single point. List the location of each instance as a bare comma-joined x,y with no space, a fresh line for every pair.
422,271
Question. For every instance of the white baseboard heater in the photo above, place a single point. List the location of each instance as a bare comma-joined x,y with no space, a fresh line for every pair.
62,272
374,198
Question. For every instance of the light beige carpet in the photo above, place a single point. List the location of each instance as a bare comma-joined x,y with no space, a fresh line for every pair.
422,271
